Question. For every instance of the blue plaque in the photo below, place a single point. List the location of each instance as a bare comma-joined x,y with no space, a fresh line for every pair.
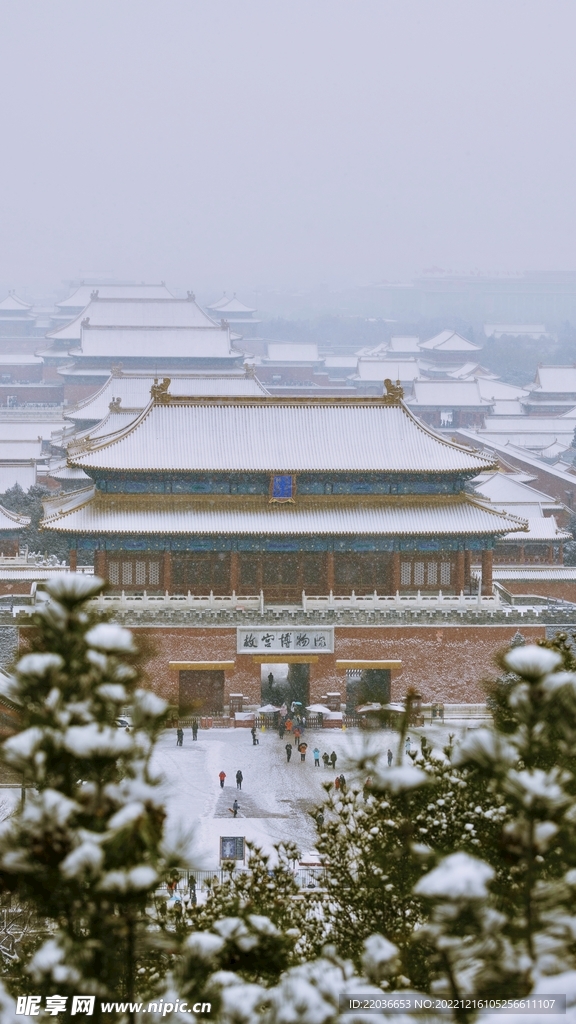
282,487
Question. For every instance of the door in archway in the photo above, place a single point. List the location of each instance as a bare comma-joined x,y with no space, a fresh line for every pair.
201,691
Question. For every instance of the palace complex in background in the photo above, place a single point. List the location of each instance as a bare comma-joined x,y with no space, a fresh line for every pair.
396,513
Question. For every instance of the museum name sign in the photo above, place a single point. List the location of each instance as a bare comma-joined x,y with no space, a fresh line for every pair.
285,640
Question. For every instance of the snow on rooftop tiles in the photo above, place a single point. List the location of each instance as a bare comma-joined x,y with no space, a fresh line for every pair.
11,520
12,304
556,380
164,312
287,352
447,393
134,392
449,341
279,434
229,305
155,342
87,511
405,370
81,296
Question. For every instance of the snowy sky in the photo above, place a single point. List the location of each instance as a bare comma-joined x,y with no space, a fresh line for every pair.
284,143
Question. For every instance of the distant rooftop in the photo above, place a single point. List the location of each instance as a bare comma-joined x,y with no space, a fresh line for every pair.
81,296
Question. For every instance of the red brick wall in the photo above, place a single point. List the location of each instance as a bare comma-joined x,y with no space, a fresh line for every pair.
445,663
561,589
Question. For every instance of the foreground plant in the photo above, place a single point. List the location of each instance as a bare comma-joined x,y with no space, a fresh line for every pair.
85,850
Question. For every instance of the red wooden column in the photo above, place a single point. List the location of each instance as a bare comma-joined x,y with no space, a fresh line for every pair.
100,564
73,559
395,572
487,571
234,571
330,571
167,571
468,569
459,572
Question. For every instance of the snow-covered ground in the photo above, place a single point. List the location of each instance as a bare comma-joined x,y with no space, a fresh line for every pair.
276,797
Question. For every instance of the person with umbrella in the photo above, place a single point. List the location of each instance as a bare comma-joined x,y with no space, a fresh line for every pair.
288,749
303,748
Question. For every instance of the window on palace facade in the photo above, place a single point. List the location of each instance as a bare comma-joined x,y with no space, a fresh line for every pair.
140,573
417,574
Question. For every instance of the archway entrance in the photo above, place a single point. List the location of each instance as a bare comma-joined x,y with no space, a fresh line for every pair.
367,682
284,683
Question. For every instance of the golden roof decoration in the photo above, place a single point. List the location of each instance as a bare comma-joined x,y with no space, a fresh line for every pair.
159,392
394,392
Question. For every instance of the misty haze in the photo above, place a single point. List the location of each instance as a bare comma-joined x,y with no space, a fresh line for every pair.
287,511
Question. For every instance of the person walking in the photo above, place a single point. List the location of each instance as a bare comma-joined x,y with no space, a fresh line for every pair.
254,736
390,757
222,777
235,808
316,753
289,724
333,759
297,734
194,728
342,783
407,745
288,749
239,778
366,787
325,759
337,782
303,748
281,729
319,820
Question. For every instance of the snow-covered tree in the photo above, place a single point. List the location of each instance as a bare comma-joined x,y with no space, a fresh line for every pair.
85,850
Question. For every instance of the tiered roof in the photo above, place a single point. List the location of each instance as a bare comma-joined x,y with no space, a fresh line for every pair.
133,392
449,341
294,435
88,511
81,296
138,312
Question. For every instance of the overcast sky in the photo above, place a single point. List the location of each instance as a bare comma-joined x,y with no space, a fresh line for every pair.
284,143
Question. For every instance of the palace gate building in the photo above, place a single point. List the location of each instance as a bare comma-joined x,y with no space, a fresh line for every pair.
262,521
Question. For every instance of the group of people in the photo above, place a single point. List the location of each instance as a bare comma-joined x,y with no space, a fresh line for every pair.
180,733
239,779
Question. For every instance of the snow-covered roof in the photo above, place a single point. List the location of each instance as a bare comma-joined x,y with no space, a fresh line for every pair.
81,296
535,572
226,305
12,304
498,389
490,443
133,392
20,451
405,370
288,352
64,472
447,394
279,434
404,344
155,343
19,359
556,380
11,520
449,341
89,511
540,528
503,488
27,430
340,362
545,425
162,312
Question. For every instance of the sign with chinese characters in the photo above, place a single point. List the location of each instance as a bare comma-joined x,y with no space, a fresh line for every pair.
231,847
286,640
